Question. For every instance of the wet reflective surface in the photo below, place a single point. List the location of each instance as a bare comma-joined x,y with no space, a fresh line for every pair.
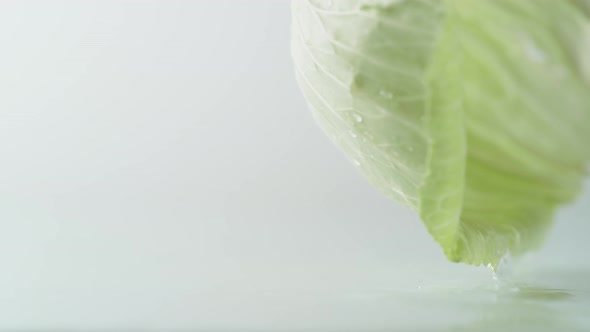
537,300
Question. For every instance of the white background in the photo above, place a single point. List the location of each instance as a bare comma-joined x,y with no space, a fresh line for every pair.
157,158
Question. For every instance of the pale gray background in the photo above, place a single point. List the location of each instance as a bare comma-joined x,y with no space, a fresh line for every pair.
157,160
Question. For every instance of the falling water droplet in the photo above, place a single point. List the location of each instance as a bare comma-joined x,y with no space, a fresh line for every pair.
353,134
494,275
356,163
358,118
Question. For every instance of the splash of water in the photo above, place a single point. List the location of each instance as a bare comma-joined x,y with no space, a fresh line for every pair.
502,272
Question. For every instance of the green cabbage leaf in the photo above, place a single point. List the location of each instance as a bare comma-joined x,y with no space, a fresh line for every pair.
473,113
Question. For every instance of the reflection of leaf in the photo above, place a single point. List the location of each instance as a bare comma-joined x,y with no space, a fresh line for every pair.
541,294
524,308
519,316
474,113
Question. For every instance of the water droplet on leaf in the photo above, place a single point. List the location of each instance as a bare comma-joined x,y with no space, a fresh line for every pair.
533,52
385,94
